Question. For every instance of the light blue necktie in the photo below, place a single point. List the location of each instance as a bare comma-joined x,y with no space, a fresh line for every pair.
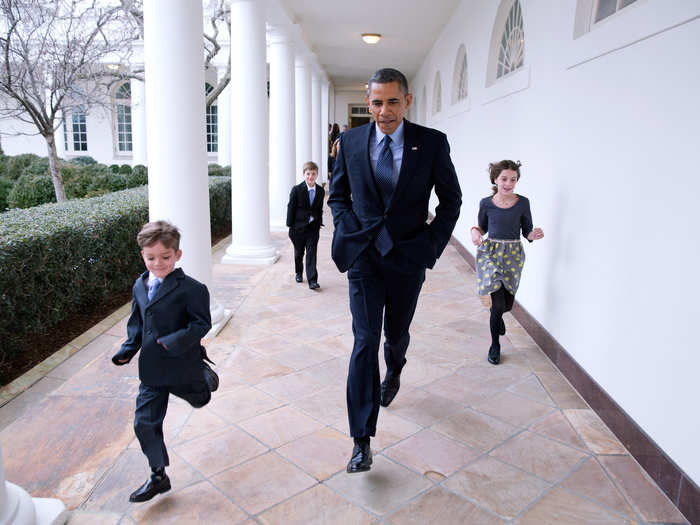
153,288
312,194
384,173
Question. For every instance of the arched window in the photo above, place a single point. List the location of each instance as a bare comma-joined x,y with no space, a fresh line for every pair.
589,12
437,94
459,79
122,120
424,107
212,123
507,51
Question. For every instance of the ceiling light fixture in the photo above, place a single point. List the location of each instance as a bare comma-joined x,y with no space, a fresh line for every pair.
371,38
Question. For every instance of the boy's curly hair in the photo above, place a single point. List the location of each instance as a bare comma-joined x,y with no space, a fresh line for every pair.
159,231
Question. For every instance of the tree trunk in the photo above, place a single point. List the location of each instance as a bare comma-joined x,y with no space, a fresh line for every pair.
56,176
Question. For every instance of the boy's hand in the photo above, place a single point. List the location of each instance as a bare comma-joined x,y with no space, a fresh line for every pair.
119,360
161,343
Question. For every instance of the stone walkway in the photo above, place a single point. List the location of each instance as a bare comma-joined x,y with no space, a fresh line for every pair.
463,442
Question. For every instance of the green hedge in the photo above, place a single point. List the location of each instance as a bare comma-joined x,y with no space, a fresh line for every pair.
61,257
5,187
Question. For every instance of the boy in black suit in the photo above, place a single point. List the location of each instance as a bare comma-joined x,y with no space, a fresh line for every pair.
169,317
304,219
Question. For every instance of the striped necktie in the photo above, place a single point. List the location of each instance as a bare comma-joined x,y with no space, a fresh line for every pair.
384,173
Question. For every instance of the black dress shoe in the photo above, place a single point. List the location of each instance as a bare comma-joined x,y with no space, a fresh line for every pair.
156,484
494,355
211,378
361,460
314,286
389,388
298,278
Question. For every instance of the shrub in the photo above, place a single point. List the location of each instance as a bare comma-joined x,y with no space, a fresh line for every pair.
217,171
66,256
16,164
5,187
38,166
220,203
84,160
114,168
74,254
125,169
138,176
31,190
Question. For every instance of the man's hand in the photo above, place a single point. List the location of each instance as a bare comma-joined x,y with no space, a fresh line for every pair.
161,343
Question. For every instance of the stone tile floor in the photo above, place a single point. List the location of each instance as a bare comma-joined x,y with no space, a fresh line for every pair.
463,442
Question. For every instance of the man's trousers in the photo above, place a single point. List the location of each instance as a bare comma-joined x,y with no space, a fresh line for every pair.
385,287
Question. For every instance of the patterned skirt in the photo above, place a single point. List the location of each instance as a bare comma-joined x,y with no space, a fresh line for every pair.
498,263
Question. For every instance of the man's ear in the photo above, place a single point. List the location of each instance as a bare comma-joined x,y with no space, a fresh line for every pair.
409,99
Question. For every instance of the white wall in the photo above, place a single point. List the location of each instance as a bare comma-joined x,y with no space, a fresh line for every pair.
342,99
608,140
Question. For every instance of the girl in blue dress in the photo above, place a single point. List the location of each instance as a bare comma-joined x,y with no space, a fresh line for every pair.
500,257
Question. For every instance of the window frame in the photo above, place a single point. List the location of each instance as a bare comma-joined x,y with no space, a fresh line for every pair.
127,121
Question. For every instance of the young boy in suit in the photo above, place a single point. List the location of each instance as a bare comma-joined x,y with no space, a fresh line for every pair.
304,219
169,317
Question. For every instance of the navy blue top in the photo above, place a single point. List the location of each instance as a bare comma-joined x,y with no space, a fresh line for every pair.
505,223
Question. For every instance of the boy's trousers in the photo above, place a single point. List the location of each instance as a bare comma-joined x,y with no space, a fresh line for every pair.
151,406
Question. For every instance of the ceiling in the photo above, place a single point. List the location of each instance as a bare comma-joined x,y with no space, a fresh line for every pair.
332,29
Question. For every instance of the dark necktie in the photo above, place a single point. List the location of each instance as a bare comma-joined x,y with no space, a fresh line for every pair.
153,288
384,173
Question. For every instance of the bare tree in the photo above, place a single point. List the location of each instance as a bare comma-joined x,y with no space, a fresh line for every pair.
55,58
218,13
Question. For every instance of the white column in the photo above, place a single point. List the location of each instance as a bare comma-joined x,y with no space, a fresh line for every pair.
178,188
223,102
138,109
325,84
302,110
249,139
282,127
138,123
316,117
17,507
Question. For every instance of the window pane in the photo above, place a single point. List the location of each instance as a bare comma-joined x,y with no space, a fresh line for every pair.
605,9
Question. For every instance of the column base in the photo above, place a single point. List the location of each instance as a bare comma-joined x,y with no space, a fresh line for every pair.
257,255
216,326
21,509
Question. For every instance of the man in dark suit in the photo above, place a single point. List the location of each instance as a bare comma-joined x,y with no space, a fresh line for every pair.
304,219
379,195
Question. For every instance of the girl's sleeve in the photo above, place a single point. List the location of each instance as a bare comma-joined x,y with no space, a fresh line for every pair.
483,219
526,220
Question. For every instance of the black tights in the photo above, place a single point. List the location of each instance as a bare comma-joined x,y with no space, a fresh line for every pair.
501,302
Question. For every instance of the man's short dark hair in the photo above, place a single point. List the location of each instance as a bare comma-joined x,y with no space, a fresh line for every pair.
387,75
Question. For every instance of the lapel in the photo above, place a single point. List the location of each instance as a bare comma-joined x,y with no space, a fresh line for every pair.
170,282
142,290
408,162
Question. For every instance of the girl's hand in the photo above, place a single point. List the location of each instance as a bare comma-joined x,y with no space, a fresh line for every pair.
535,234
477,239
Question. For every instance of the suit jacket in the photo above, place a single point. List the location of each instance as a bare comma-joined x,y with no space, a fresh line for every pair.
179,316
358,208
299,209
